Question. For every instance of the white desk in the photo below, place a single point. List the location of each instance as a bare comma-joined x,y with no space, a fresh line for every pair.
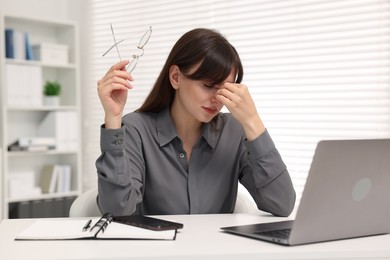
201,238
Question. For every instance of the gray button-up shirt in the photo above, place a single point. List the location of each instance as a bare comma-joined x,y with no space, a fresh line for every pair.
144,169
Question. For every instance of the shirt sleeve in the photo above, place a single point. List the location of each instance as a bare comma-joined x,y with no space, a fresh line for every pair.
265,175
119,188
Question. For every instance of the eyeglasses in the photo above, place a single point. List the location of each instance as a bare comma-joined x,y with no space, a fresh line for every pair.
135,57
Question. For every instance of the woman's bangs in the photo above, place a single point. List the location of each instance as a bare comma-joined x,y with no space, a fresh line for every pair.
214,68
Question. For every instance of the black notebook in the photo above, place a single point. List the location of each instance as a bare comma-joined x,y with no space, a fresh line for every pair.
106,227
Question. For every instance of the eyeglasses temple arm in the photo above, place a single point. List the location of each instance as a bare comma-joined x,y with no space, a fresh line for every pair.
116,45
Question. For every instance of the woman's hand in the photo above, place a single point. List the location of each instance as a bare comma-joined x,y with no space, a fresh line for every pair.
112,91
237,99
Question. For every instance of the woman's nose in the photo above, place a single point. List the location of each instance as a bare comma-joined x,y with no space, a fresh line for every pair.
214,99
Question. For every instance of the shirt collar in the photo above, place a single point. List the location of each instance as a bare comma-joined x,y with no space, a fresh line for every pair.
165,128
210,132
167,132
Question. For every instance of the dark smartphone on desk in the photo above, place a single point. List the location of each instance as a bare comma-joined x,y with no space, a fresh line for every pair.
148,222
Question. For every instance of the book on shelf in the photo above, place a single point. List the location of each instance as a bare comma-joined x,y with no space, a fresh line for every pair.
15,44
9,43
106,227
64,178
29,51
55,178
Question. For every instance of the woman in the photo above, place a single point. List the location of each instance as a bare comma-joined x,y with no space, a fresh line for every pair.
177,154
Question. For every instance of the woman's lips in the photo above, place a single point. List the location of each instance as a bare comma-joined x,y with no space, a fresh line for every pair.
210,110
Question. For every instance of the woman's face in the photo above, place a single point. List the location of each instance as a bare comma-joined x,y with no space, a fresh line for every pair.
197,98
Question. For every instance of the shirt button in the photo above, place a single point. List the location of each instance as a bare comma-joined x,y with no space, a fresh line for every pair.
181,155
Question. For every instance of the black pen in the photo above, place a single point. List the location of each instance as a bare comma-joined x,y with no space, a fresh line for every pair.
87,225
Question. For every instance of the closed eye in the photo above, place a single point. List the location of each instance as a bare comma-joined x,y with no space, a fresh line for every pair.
208,86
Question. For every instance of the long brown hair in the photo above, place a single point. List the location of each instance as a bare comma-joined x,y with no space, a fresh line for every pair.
216,56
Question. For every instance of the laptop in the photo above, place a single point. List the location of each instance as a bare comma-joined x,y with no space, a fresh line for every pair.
346,195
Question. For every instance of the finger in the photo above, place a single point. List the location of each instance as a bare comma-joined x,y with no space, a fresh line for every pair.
119,65
233,87
113,83
232,96
108,89
117,81
120,73
224,100
120,80
118,76
124,69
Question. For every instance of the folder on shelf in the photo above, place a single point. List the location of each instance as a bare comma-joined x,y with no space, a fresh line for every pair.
106,227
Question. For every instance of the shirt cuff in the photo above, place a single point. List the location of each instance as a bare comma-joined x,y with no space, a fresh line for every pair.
112,139
260,146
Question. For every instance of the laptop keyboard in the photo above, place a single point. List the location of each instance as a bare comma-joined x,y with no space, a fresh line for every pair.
279,233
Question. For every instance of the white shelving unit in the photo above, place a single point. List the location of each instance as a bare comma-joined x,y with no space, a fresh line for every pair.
18,121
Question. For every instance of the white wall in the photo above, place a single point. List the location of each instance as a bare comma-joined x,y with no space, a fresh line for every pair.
50,9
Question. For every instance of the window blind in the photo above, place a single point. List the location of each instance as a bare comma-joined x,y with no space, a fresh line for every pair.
316,69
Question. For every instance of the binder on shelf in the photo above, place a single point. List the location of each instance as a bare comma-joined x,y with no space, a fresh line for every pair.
26,90
22,184
62,125
106,227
